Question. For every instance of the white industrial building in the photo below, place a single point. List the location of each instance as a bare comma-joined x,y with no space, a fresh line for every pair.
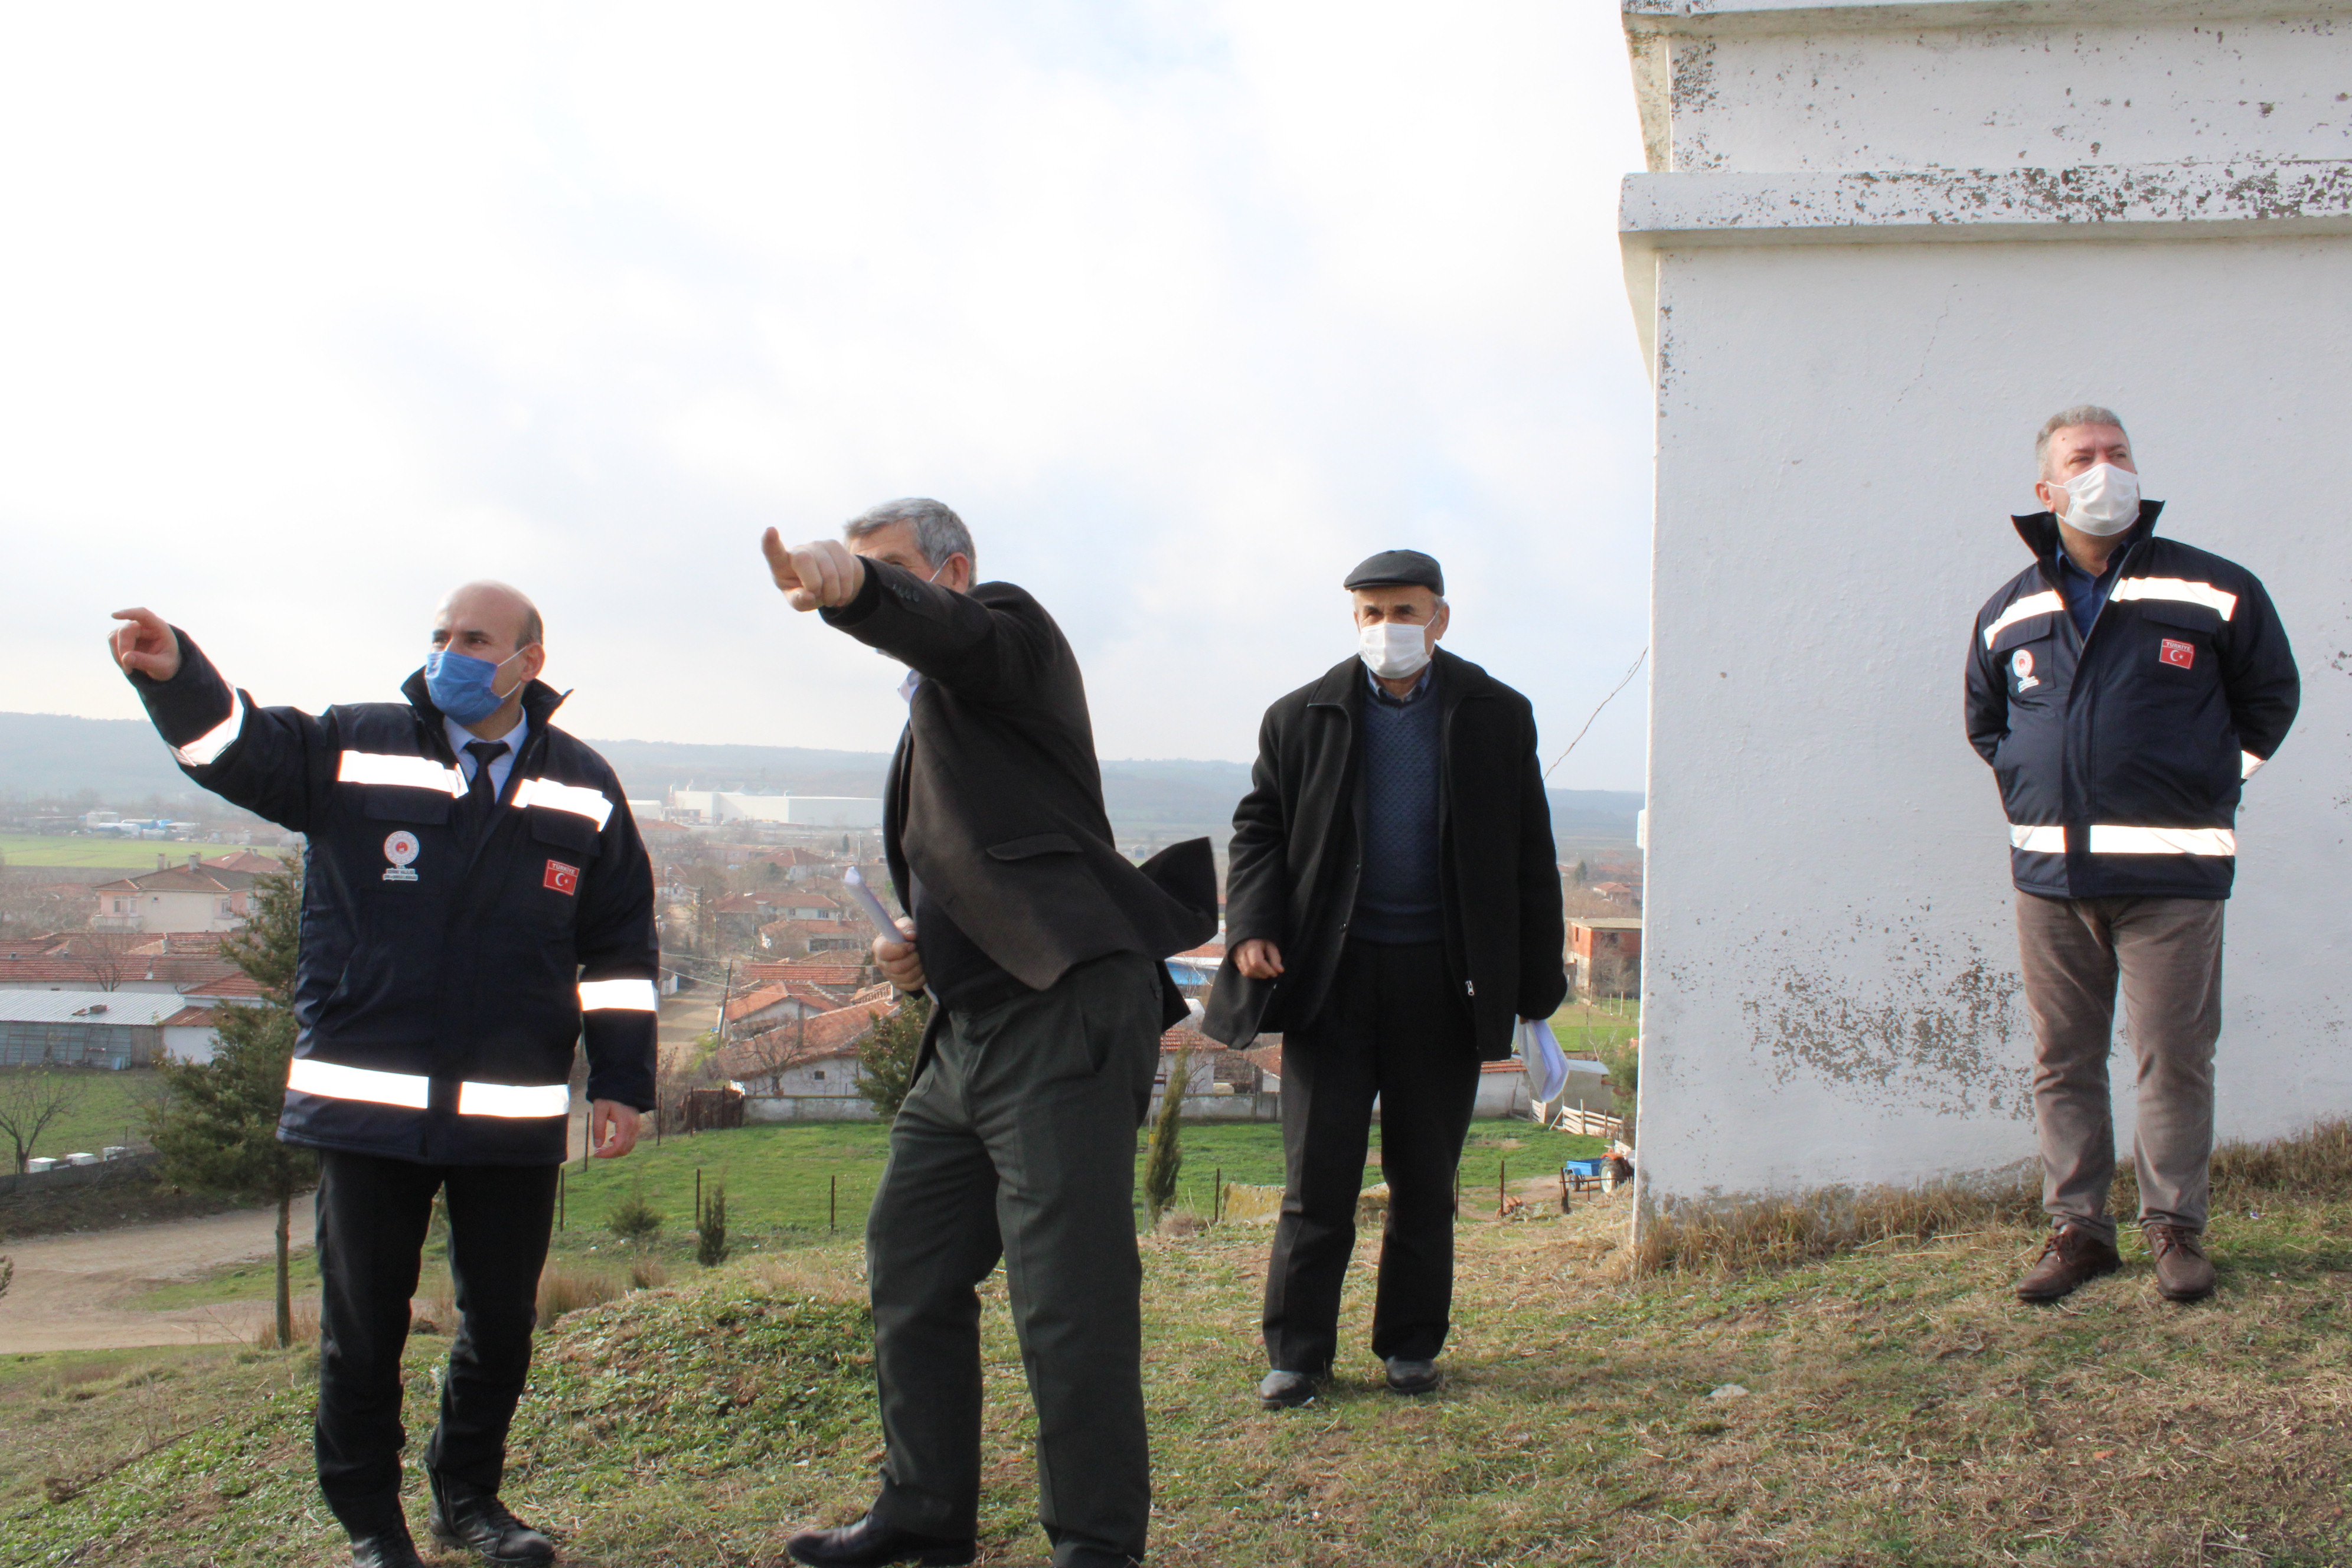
1876,244
717,806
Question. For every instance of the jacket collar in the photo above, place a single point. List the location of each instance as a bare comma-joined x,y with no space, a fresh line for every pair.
1342,684
539,701
2040,532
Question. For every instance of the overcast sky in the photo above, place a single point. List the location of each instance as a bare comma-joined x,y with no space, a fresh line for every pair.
307,312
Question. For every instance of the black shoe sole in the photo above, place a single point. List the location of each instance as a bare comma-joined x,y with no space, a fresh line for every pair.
457,1542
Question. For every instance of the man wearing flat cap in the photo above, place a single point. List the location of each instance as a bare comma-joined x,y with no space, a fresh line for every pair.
1392,910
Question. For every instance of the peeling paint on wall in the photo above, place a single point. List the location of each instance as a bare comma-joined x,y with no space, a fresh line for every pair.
1939,1028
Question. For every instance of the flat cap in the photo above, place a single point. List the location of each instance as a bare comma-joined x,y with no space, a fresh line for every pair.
1394,568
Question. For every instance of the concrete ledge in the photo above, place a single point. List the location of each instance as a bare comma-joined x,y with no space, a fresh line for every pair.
2118,201
1732,18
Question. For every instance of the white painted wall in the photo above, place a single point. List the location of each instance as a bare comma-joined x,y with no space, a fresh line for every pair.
1848,384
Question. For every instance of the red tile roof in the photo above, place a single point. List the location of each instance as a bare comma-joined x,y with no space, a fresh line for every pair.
189,1018
235,987
825,1036
1265,1058
813,970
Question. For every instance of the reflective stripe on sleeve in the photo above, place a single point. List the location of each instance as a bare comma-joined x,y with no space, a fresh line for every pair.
208,747
587,803
2045,603
2039,840
332,1080
2179,590
513,1100
634,995
2106,839
2248,765
408,773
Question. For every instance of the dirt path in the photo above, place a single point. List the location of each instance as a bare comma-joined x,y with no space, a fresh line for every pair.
70,1293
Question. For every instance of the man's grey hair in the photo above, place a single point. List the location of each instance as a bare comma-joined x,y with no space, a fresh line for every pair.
938,532
2067,418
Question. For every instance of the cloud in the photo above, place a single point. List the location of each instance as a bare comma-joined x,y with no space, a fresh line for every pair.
1185,309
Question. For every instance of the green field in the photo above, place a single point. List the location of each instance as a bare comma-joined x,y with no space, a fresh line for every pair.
106,1107
23,849
1591,1028
785,1183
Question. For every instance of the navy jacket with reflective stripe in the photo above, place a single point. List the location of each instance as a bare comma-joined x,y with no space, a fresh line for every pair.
425,957
2120,755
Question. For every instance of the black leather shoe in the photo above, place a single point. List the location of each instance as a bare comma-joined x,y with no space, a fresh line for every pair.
1414,1376
386,1548
482,1525
867,1544
1284,1390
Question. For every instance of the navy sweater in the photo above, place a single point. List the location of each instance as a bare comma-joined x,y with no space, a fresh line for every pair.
1399,901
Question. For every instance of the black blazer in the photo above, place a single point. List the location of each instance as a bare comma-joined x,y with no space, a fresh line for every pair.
994,799
1295,860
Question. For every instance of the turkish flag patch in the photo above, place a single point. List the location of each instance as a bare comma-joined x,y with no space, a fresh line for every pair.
563,879
2183,654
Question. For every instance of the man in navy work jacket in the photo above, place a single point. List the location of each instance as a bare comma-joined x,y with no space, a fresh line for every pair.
475,897
2122,687
1041,944
1393,909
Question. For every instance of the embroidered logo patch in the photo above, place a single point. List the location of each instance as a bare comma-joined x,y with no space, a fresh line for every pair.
2183,654
400,848
2020,664
563,879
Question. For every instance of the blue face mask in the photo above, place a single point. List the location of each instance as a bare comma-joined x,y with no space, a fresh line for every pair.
461,685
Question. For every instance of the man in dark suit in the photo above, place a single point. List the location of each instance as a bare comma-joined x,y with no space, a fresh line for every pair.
1041,944
1393,908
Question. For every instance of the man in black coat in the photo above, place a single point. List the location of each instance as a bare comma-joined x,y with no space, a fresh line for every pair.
1041,945
1392,909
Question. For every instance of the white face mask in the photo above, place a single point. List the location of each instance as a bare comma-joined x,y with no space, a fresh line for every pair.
2102,500
1393,649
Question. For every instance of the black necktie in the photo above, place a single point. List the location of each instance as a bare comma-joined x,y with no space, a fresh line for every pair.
484,796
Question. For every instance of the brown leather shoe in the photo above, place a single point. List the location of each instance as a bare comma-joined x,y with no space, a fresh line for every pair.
2183,1272
2070,1257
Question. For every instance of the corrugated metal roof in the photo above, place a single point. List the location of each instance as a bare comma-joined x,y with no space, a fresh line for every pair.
137,1008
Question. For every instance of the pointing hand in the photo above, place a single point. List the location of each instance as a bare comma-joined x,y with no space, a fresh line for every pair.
146,646
820,575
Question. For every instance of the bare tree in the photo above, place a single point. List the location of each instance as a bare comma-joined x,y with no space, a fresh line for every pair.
106,957
32,1100
772,1053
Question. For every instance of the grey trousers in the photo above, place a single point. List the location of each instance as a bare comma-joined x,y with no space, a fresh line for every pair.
1018,1140
2166,954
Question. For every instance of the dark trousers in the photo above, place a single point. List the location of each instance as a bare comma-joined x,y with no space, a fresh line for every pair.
1390,1027
1018,1140
2165,956
372,1215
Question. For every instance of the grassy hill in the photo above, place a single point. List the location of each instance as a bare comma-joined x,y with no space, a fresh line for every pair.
1891,1406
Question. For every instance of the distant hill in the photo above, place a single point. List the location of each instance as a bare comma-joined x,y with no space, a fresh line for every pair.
122,764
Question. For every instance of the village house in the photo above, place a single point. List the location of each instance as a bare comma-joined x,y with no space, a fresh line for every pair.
1604,955
809,939
200,896
807,1069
